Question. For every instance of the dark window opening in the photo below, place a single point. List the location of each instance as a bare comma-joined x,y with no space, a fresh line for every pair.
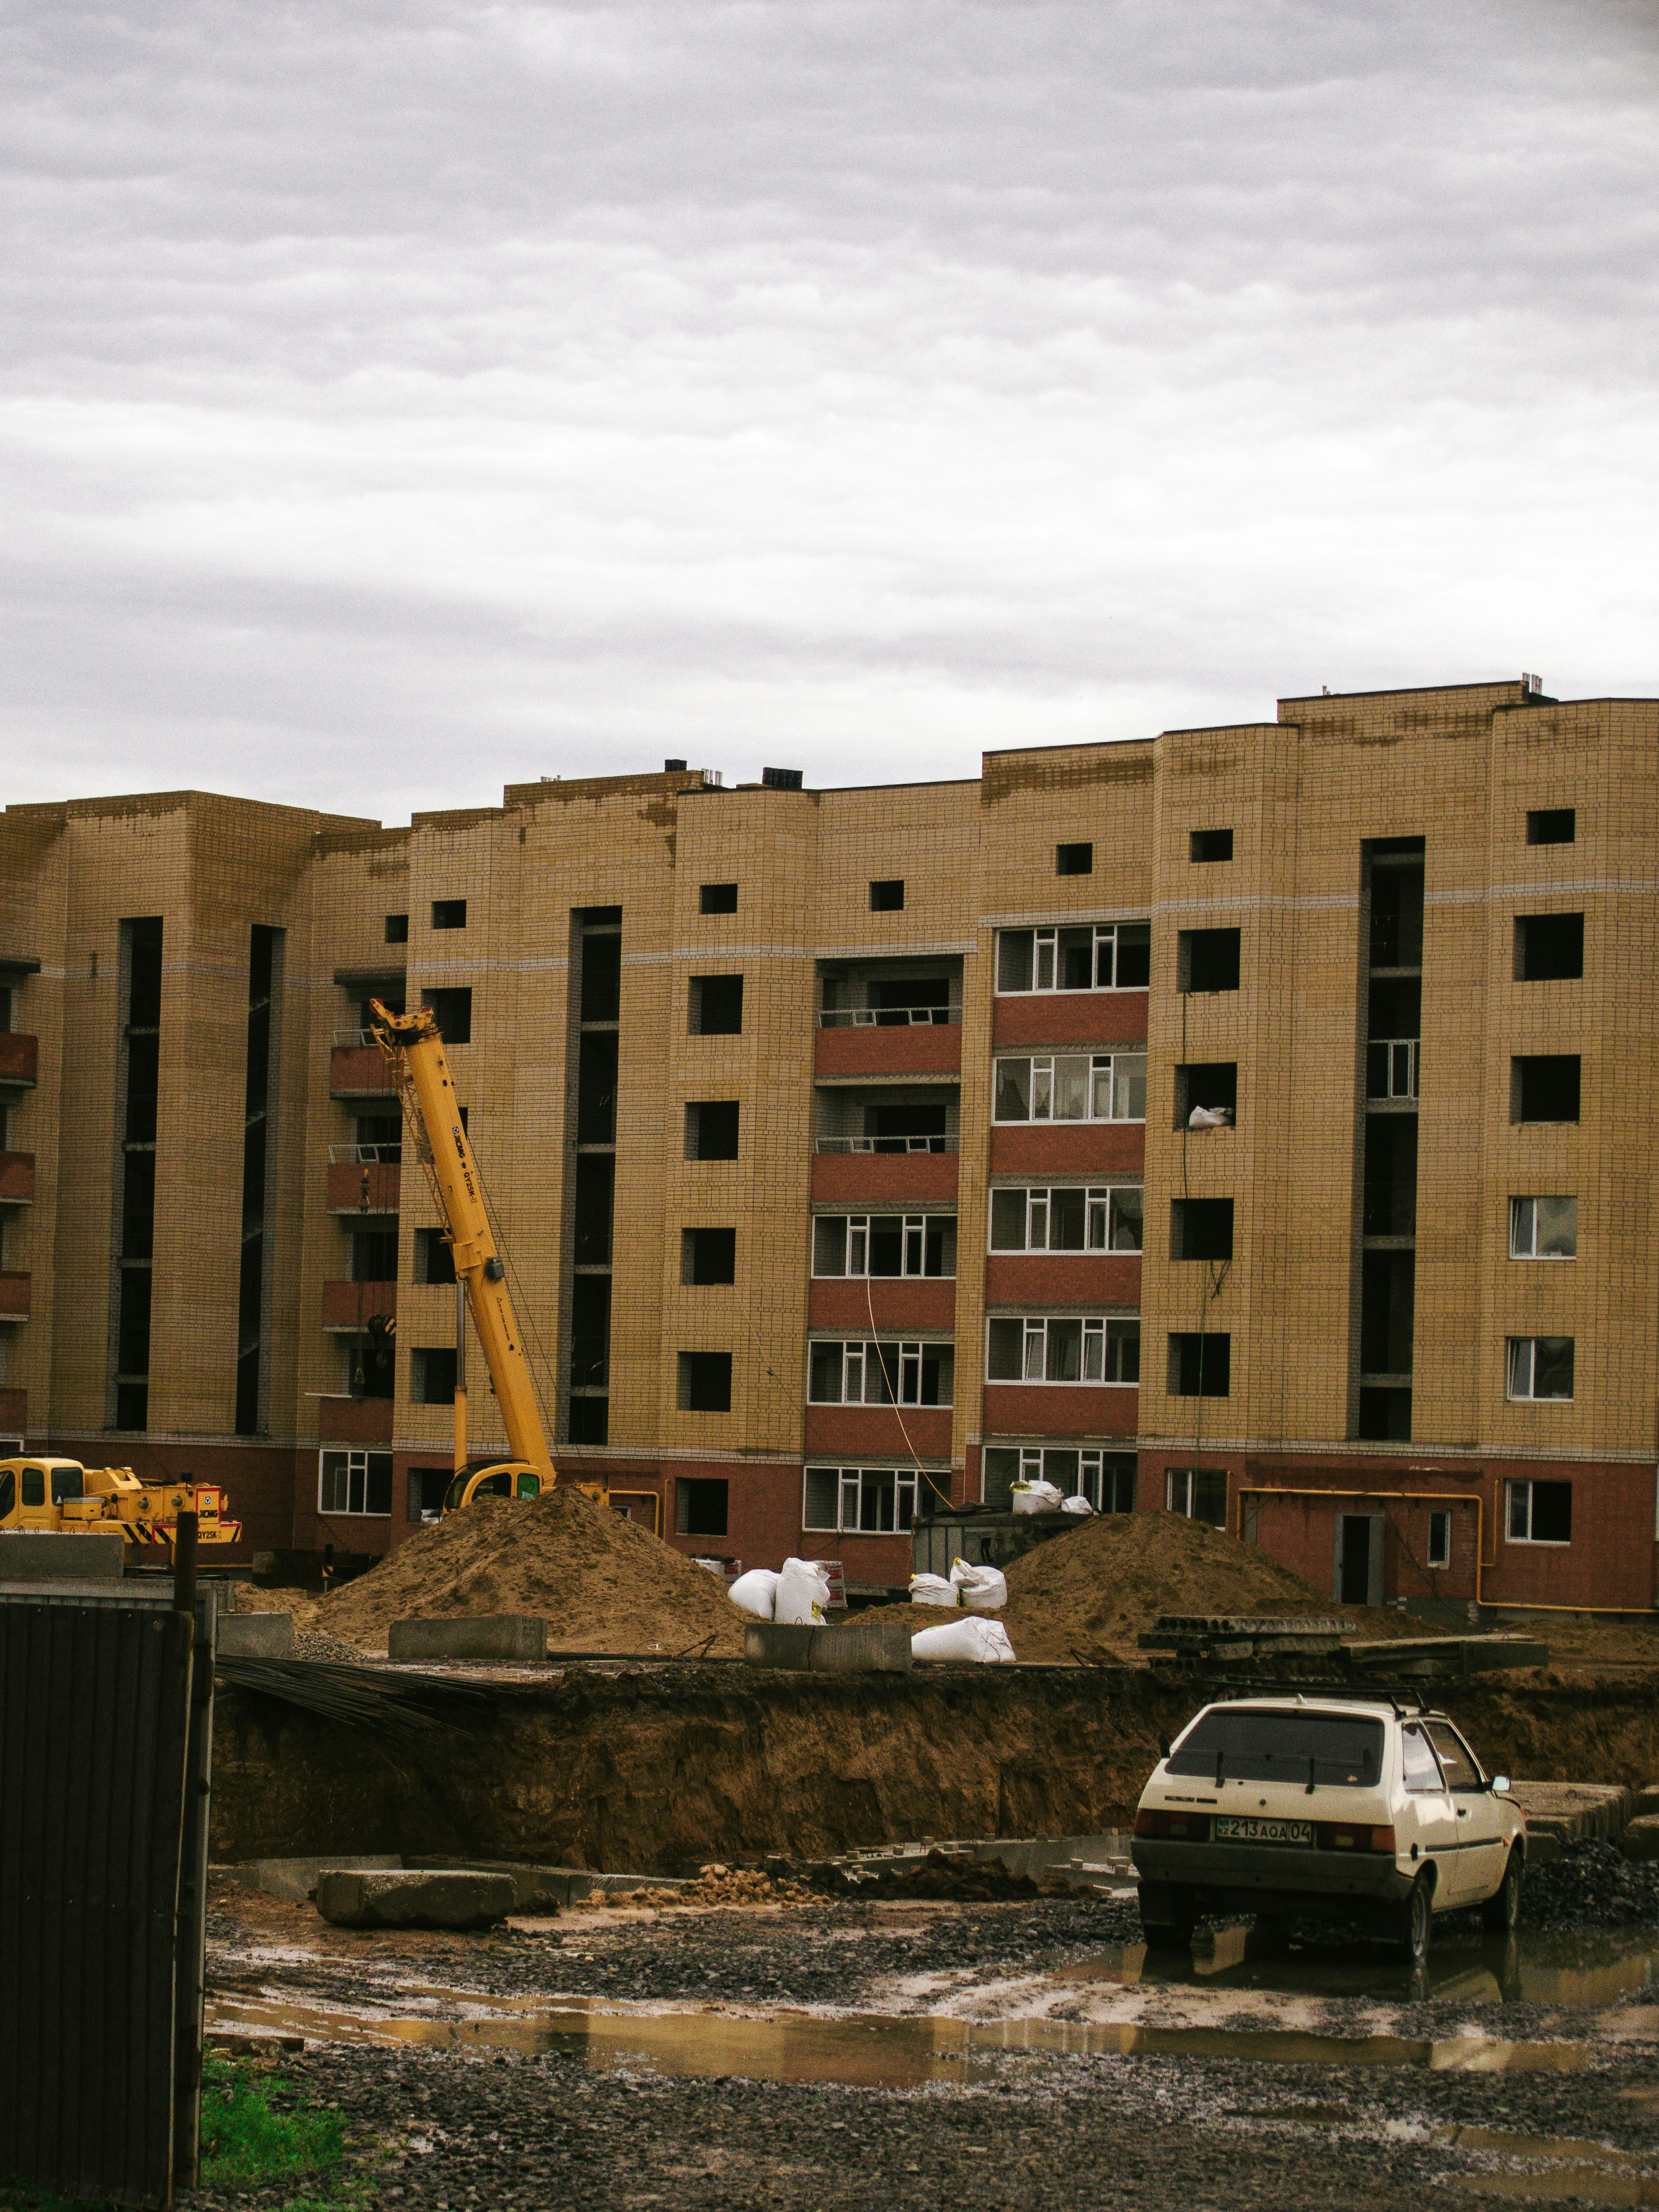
705,1379
1389,1204
1552,825
1395,1006
590,1333
716,1006
700,1506
1549,948
434,1261
427,1485
132,1405
1207,1089
590,1421
1201,1229
711,1129
1208,960
1388,1304
1212,845
601,978
888,896
1074,860
375,1255
1385,1415
1544,1087
708,1256
1201,1365
719,898
397,929
449,914
595,1205
596,1088
435,1376
452,1012
1396,901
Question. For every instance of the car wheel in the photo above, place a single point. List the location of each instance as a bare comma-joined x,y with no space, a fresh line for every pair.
1502,1909
1417,1919
1168,1916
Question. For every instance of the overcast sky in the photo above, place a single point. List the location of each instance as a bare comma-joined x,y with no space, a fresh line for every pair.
400,400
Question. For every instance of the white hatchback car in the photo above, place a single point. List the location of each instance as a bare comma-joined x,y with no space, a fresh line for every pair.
1290,1805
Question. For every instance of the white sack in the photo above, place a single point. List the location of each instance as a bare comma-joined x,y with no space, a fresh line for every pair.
1210,1117
803,1592
932,1589
970,1638
755,1592
983,1589
1037,1498
1078,1504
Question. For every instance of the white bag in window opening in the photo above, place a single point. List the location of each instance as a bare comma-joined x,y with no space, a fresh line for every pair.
984,1589
970,1638
755,1592
932,1589
803,1593
1037,1498
1210,1117
1079,1503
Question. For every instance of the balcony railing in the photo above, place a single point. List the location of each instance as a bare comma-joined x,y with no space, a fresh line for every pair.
1391,1067
887,1018
365,1156
356,1041
887,1144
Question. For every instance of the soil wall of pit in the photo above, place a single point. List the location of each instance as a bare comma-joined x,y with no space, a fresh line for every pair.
659,1772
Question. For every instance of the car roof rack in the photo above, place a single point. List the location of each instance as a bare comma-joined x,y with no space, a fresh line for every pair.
1404,1696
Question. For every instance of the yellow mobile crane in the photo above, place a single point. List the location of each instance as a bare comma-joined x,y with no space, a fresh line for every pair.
413,1045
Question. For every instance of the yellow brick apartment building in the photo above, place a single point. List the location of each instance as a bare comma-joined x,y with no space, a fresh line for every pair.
1254,1123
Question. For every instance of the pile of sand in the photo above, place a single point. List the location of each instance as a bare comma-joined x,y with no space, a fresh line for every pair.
1092,1591
601,1583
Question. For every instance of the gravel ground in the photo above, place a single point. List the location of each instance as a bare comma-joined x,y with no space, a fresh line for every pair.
1592,1886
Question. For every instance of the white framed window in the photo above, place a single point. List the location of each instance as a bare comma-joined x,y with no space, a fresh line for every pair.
1439,1553
353,1482
1539,1367
1067,1218
1103,956
1539,1513
884,1244
858,1373
1063,1348
866,1501
1543,1229
1198,1492
1103,1474
1071,1086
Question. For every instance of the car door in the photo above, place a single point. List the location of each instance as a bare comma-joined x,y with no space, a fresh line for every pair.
1478,1815
1433,1817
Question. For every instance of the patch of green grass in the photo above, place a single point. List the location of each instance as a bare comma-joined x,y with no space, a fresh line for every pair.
23,2197
246,2142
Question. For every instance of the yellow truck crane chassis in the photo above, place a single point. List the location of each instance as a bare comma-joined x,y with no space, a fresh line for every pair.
60,1495
413,1045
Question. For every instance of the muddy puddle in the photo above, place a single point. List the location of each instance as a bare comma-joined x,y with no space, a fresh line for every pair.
872,2051
1537,1966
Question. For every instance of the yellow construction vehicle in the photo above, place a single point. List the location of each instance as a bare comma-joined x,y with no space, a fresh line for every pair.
414,1048
59,1494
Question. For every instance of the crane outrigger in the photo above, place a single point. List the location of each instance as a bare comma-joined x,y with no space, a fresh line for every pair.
413,1045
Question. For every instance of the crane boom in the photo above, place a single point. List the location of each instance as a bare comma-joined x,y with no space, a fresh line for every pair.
413,1045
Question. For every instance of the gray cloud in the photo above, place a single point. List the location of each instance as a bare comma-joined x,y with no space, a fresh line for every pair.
393,403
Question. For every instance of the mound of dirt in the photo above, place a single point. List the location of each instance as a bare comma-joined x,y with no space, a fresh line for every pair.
601,1583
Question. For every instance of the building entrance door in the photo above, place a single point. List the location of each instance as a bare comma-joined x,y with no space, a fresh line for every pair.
1358,1577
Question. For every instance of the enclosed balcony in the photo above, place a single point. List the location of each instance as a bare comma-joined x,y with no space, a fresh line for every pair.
357,1068
362,1179
16,1178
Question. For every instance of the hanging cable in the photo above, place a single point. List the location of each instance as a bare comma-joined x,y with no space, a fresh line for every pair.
895,1384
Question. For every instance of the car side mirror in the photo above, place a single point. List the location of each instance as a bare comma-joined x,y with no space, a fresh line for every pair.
1500,1785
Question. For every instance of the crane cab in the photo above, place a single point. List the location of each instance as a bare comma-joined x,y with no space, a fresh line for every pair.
509,1478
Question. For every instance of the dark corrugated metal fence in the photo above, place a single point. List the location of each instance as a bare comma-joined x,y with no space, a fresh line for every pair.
100,1814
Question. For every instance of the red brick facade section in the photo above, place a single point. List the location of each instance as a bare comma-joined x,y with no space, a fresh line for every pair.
856,1179
349,1305
901,1303
354,1422
16,1178
20,1057
16,1293
1087,1151
14,1412
1066,1018
1086,1281
1059,1409
368,1188
358,1071
869,1436
918,1049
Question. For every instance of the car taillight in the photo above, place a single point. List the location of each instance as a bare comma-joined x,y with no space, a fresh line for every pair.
1174,1827
1355,1836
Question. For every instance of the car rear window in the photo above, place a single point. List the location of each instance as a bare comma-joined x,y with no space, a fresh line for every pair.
1270,1747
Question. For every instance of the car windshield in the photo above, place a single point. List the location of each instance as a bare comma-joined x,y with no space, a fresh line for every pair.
1281,1747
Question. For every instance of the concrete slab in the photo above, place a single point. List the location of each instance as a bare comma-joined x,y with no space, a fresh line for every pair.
294,1880
535,1889
477,1635
1641,1837
48,1555
1575,1812
446,1899
1647,1799
860,1647
256,1636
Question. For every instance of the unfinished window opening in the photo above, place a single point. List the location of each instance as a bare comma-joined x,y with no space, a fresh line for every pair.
596,1087
1539,1513
1437,1551
434,1261
718,898
1385,1413
592,1060
374,1255
705,1382
1388,1203
1543,1229
595,1207
1388,1304
1198,1492
1207,1095
397,929
1208,960
449,914
1076,860
701,1504
1200,1364
1539,1367
1552,825
432,1378
1210,845
1201,1229
1395,876
711,1129
452,1012
1549,948
716,1006
1544,1087
601,975
708,1256
590,1332
139,1078
427,1485
887,896
1063,1348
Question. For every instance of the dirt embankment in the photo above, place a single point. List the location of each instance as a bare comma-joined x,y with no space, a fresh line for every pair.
663,1772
